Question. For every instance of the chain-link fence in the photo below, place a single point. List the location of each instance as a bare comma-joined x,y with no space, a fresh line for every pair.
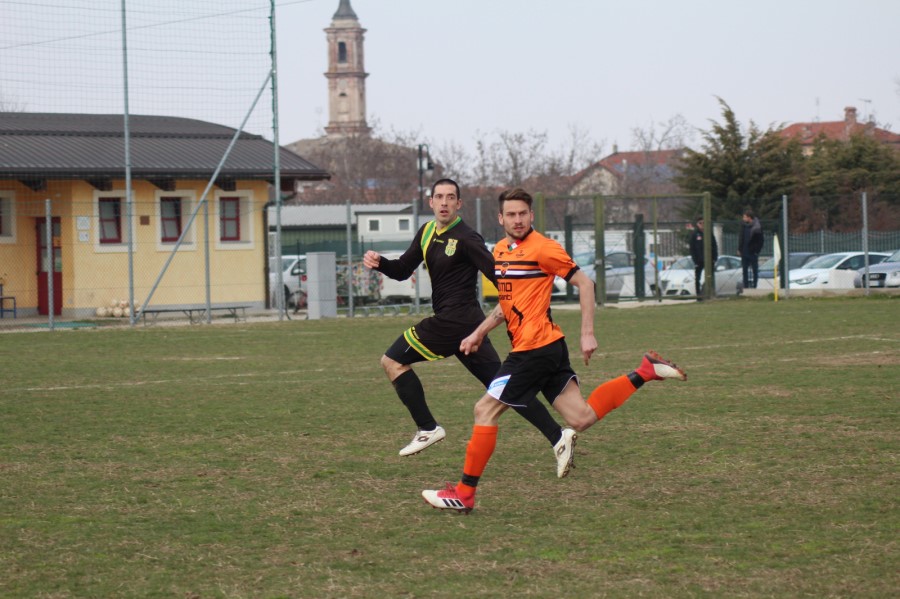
133,165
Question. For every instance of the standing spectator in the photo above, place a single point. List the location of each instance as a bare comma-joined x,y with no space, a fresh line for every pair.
750,244
697,256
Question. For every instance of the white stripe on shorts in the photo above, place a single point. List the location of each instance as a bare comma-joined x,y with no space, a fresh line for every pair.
495,389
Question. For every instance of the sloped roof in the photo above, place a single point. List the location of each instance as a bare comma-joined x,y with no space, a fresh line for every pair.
57,145
807,133
617,162
659,163
329,214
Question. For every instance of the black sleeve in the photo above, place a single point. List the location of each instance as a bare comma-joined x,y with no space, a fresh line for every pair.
480,256
403,267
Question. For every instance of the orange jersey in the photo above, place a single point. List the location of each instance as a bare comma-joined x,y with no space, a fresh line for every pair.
525,272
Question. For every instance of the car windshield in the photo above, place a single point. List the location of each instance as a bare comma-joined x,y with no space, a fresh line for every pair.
895,257
826,261
584,259
286,263
685,263
768,264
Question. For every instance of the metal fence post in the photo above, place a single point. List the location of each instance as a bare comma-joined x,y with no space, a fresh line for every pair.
350,305
709,289
786,249
865,240
539,206
600,249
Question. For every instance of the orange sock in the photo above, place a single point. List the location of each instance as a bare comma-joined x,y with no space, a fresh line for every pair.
478,452
610,395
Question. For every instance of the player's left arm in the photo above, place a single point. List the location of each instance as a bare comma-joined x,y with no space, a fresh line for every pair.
481,257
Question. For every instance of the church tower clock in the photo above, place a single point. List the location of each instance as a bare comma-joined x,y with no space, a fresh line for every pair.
346,75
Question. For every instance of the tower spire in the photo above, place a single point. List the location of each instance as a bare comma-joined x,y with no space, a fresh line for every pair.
344,11
346,74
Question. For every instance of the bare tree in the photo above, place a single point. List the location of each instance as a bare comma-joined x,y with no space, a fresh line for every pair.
668,135
9,104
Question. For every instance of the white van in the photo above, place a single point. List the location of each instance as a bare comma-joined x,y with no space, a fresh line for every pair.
293,269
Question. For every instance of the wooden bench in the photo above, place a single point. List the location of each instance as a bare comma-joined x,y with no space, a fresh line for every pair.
196,314
3,300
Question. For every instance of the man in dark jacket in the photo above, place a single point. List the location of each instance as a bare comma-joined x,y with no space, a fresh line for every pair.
697,256
750,244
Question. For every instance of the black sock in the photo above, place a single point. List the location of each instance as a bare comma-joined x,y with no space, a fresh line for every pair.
538,415
409,389
636,379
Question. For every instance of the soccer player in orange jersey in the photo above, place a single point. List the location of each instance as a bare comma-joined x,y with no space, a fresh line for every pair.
526,263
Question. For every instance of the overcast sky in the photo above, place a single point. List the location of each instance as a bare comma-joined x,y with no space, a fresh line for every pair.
456,67
453,69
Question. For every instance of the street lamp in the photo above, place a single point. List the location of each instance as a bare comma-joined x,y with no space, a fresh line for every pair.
426,168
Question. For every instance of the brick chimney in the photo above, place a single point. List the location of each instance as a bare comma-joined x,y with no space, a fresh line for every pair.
849,121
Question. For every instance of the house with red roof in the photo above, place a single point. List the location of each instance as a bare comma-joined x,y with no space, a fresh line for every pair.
808,133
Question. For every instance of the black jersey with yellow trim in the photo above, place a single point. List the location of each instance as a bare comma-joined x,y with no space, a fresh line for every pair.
453,256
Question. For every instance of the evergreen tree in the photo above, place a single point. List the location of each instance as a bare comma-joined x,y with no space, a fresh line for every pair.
839,171
741,170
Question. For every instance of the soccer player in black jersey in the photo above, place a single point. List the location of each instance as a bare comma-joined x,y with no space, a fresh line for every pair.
454,254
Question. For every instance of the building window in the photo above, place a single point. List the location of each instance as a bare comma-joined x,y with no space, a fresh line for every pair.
234,219
170,219
173,214
230,219
403,224
342,52
110,213
374,225
7,217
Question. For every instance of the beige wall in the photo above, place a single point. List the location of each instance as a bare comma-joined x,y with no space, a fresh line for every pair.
94,275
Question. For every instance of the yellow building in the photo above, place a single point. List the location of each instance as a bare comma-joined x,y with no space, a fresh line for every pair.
71,167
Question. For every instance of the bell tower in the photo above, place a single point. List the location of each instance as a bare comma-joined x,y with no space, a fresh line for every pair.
346,75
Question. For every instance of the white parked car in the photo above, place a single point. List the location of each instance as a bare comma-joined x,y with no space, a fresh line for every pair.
832,271
678,278
293,273
883,274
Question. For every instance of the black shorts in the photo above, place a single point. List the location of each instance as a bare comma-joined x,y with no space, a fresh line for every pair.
436,338
523,374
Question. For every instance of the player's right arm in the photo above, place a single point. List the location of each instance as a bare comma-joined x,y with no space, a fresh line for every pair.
371,259
471,343
401,268
586,300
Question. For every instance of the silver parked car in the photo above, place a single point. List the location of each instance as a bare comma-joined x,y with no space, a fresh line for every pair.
883,274
678,278
619,267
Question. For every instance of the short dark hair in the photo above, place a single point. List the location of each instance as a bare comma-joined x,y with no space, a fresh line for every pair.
516,193
749,212
446,182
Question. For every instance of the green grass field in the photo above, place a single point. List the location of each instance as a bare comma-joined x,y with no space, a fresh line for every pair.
260,460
